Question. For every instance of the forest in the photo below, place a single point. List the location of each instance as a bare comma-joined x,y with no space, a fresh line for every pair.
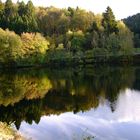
32,35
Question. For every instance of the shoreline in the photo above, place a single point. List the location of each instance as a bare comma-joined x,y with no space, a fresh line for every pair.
98,60
80,61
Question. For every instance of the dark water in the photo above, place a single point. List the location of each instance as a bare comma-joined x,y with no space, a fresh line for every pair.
101,103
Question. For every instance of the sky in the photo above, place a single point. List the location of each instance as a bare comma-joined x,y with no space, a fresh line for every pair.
121,8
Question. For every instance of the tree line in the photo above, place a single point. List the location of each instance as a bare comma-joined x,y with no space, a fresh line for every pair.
61,34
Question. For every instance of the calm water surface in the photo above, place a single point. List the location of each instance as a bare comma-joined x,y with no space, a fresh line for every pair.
99,103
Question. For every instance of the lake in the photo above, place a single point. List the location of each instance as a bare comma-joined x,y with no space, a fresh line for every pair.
84,103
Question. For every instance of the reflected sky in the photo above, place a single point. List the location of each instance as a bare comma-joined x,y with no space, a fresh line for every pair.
100,123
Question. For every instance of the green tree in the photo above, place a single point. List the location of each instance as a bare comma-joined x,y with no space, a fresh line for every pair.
26,21
31,17
21,23
109,23
10,15
81,20
1,13
77,41
10,47
49,21
71,11
21,8
8,9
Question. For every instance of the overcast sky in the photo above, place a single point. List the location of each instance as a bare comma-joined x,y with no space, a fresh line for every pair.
121,8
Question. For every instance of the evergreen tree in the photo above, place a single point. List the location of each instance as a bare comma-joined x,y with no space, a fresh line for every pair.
26,21
20,24
109,23
8,8
30,17
21,8
10,15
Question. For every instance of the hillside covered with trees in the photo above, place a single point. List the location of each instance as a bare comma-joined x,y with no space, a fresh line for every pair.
133,23
32,35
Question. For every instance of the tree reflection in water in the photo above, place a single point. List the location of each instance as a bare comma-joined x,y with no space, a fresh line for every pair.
29,94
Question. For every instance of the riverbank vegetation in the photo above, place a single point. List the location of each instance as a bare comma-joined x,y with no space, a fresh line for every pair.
47,35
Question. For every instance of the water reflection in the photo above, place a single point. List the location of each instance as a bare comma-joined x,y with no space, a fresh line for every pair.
101,123
101,94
